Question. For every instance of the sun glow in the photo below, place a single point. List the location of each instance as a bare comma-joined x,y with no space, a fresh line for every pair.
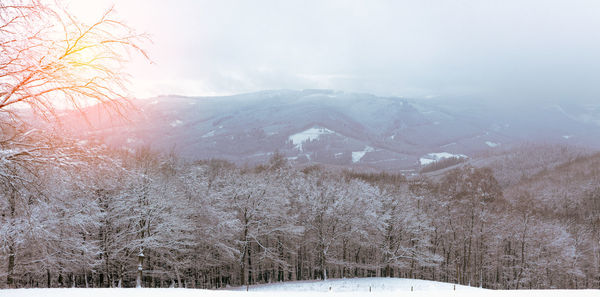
57,61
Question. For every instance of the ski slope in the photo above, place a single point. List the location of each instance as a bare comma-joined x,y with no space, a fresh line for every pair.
380,287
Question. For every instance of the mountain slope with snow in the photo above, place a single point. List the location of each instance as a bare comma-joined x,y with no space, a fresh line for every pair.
334,128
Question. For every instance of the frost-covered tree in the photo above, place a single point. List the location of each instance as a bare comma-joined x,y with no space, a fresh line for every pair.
40,186
406,234
76,220
51,59
468,195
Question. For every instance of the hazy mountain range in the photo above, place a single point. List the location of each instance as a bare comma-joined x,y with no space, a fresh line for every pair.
337,128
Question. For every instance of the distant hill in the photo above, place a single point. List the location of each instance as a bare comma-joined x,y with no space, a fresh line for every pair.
335,128
567,188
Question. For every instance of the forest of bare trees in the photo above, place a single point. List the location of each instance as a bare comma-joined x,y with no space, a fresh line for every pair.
81,221
77,214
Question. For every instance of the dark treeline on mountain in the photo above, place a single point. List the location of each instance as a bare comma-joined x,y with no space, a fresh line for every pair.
78,215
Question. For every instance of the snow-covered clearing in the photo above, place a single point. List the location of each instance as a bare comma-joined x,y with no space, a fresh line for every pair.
356,156
308,135
176,123
492,144
433,157
382,287
209,134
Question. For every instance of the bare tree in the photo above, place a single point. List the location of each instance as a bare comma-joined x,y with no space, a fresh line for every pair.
50,59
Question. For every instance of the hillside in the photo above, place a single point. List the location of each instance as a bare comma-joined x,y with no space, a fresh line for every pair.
330,127
569,189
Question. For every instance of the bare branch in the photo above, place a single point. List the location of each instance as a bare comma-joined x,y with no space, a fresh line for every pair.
81,67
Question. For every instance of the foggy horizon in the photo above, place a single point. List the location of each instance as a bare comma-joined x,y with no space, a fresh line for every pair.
534,51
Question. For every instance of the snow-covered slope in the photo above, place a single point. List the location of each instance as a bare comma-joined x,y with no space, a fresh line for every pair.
380,287
308,135
374,284
433,157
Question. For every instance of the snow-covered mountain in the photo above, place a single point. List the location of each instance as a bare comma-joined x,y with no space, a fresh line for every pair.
338,128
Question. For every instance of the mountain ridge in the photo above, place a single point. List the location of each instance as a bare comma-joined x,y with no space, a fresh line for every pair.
388,133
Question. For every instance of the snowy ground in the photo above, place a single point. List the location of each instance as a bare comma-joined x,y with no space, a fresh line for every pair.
380,287
376,284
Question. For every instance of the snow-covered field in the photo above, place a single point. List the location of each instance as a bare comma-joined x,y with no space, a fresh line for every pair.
380,287
308,135
356,156
433,157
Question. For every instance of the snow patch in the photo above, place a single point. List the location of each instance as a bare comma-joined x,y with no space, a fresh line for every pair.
308,135
210,134
449,144
567,136
425,161
492,144
154,102
433,157
356,156
176,123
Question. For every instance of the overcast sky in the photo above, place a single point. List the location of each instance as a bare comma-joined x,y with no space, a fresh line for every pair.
500,50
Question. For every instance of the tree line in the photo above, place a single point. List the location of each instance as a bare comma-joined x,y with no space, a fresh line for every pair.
79,215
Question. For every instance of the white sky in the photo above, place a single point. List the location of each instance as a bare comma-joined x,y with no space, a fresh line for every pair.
534,50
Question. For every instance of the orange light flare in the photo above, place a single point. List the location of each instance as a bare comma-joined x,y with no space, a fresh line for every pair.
61,62
127,15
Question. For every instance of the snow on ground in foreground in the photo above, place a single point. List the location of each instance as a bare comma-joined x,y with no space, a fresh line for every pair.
359,285
380,287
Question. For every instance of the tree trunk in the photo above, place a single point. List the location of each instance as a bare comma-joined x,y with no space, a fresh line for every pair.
11,244
323,265
250,269
178,277
138,279
11,265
